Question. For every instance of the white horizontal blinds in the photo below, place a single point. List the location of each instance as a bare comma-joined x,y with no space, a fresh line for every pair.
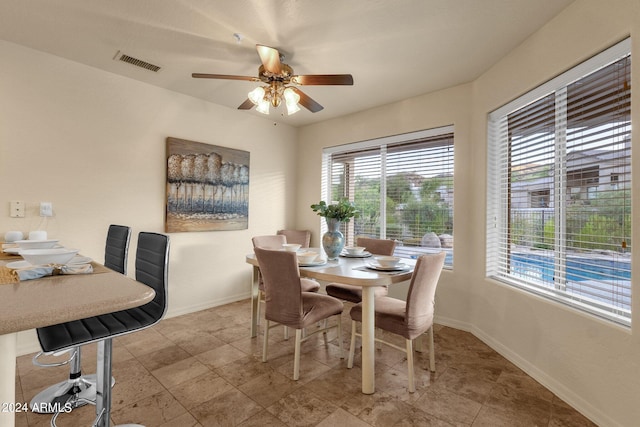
559,217
356,175
598,180
420,189
402,187
528,184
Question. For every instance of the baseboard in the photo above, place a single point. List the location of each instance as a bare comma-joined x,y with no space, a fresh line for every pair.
207,304
559,389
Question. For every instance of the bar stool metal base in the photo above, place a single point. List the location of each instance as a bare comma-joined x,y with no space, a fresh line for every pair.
54,398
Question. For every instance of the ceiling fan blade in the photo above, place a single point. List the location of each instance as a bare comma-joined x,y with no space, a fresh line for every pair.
224,76
246,105
270,58
307,102
323,79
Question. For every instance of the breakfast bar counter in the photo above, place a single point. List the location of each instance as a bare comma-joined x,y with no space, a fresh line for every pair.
56,299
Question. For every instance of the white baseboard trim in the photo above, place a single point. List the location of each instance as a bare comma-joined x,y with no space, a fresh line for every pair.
560,390
207,304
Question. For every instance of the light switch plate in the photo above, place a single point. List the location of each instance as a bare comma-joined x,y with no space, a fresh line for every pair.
17,209
46,209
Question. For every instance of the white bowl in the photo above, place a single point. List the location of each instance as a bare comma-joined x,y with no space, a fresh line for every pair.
48,256
388,261
291,247
12,236
355,250
307,257
36,244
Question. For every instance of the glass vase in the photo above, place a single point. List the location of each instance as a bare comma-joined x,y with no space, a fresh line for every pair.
333,239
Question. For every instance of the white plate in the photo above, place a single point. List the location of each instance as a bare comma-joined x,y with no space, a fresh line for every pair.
13,251
313,263
18,264
397,267
364,254
79,260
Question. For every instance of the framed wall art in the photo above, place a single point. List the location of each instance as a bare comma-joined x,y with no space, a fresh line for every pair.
207,187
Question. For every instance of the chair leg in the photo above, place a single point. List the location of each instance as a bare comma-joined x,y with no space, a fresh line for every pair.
286,333
412,387
260,301
432,352
352,347
296,356
340,336
266,341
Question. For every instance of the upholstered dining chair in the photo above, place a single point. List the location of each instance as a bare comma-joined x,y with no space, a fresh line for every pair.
300,237
152,263
286,303
115,257
410,318
275,242
354,293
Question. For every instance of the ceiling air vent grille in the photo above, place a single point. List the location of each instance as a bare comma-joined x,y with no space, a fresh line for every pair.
138,62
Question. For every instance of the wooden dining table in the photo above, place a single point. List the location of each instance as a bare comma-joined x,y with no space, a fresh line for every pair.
351,271
56,299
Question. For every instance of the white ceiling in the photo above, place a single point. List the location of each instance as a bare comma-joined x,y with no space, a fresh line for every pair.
395,49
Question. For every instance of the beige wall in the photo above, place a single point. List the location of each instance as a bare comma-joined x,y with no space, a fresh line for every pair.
93,144
589,363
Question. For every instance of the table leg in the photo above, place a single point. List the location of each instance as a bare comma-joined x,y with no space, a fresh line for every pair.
255,300
8,351
368,340
103,386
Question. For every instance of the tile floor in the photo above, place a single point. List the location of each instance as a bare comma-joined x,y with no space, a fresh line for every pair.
202,369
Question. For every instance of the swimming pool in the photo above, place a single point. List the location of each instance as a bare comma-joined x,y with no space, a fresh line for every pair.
606,281
578,269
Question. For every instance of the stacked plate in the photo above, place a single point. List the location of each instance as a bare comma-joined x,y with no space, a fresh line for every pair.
44,252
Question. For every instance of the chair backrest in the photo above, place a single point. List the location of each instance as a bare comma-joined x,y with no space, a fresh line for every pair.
377,246
152,269
422,291
272,241
116,250
283,295
300,237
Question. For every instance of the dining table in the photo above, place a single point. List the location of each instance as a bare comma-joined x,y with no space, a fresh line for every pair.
54,299
351,271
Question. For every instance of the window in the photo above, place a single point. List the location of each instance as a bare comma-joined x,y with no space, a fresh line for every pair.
402,187
570,137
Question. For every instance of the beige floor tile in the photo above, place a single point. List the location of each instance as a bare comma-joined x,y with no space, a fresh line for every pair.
220,356
154,410
163,357
262,419
200,389
269,387
180,372
340,417
301,408
227,409
202,369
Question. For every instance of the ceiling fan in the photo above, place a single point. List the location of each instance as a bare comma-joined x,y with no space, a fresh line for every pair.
281,84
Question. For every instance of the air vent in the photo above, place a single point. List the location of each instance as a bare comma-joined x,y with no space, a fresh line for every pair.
137,62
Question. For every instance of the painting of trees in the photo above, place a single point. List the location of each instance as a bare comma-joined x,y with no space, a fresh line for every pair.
207,187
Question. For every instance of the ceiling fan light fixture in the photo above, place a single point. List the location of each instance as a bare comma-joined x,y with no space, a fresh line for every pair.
257,95
263,107
291,98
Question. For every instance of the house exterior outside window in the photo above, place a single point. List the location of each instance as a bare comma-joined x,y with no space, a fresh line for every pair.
559,180
402,187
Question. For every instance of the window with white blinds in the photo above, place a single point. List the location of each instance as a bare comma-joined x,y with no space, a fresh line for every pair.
559,188
402,187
